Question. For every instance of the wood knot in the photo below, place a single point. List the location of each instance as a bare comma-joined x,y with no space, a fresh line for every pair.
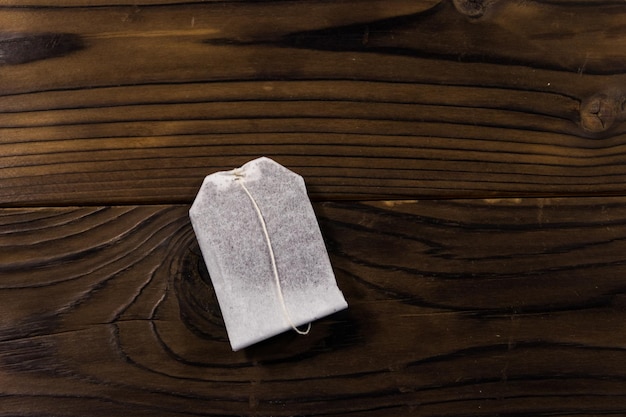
600,112
199,308
472,8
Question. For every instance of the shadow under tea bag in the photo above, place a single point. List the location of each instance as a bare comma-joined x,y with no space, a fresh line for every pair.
264,251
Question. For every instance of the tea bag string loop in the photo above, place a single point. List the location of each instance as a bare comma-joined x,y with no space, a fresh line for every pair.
281,298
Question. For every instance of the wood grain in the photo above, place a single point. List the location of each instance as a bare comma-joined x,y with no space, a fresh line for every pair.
112,112
367,100
502,307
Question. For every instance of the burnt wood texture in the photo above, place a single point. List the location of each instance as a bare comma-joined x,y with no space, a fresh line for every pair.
467,163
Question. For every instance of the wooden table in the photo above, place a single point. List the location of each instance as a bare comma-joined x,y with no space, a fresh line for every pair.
467,159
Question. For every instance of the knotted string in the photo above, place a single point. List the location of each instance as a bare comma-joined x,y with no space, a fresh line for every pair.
239,178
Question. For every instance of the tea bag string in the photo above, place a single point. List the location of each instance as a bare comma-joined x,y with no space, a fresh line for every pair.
281,298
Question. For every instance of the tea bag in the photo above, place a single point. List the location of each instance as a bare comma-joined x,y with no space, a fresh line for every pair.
264,251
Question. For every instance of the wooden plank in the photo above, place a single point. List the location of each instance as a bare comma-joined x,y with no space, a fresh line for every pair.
457,308
121,104
143,4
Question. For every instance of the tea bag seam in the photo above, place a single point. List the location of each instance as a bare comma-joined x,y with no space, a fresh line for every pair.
239,178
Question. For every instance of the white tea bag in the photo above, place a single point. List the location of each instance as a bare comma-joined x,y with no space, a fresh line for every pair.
264,251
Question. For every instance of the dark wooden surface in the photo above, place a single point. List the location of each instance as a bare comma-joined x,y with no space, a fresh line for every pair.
500,307
367,99
467,162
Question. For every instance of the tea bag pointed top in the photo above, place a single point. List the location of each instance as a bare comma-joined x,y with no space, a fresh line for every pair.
264,251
